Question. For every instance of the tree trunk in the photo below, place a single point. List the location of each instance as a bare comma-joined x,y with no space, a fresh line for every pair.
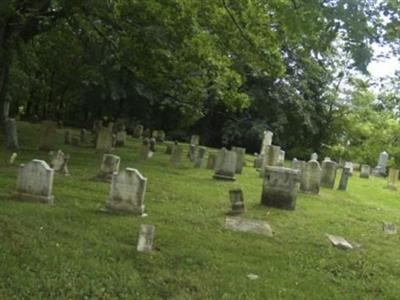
4,73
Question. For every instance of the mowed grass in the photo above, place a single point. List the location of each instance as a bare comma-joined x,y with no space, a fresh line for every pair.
71,250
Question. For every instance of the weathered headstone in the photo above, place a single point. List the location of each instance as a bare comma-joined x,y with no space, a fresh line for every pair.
281,158
350,165
201,153
192,152
328,176
258,161
48,135
280,187
154,134
195,140
380,169
67,137
393,178
109,165
365,171
59,162
237,201
314,156
271,157
104,139
35,182
389,228
248,225
13,157
11,134
97,124
339,242
138,132
152,144
146,237
225,165
128,189
161,136
212,158
145,150
121,139
176,155
240,156
344,179
311,178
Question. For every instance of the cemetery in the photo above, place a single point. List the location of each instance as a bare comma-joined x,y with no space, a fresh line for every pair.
179,149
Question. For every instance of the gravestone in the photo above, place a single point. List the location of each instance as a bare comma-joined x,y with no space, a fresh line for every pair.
83,136
48,135
120,139
258,161
10,126
389,228
212,158
59,162
393,177
154,134
145,152
350,165
271,157
97,125
240,156
311,178
176,155
161,136
328,175
35,182
67,138
248,225
201,153
280,187
110,126
128,189
365,171
344,179
267,141
314,156
104,139
195,140
225,165
109,165
237,201
152,144
192,152
281,159
13,157
146,238
380,169
138,131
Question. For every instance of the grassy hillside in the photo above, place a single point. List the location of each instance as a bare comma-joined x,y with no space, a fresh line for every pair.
71,250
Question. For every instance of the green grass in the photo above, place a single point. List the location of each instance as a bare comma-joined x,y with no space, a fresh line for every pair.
72,251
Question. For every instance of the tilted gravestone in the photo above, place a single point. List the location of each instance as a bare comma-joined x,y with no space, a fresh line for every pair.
201,153
311,178
176,155
344,179
138,131
128,189
146,238
280,187
328,176
237,201
393,177
11,134
109,165
225,165
48,135
240,155
104,141
380,169
212,158
35,182
67,137
365,171
59,162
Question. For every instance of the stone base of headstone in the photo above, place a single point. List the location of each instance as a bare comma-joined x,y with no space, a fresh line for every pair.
33,198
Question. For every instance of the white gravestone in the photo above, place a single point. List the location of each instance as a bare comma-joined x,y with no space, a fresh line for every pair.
380,169
225,166
35,182
146,237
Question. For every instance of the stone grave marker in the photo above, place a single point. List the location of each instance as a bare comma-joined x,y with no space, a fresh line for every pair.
59,162
13,157
380,169
192,152
120,139
138,131
225,165
280,187
104,141
311,178
152,144
212,158
109,165
365,171
237,201
314,156
267,141
145,149
201,153
350,165
247,225
83,136
146,133
344,179
271,158
339,242
389,228
48,135
35,182
258,161
393,178
128,189
176,155
240,155
328,175
146,238
67,138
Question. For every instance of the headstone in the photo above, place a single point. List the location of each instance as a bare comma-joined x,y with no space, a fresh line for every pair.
13,157
146,237
195,140
128,189
258,161
328,176
59,162
104,139
314,156
153,144
161,136
154,134
380,169
365,171
311,178
83,136
111,126
35,182
339,242
280,187
393,178
247,225
97,124
109,166
344,179
389,228
176,155
145,150
67,138
11,134
237,201
192,152
138,132
240,156
350,165
201,153
225,165
271,157
267,141
281,158
48,135
212,158
121,139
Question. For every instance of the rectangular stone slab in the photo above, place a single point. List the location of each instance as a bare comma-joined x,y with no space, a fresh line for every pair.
339,242
248,225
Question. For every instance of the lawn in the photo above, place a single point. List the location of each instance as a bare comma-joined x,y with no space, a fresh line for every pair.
72,250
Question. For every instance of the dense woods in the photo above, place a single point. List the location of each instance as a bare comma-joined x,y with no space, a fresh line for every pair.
225,69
